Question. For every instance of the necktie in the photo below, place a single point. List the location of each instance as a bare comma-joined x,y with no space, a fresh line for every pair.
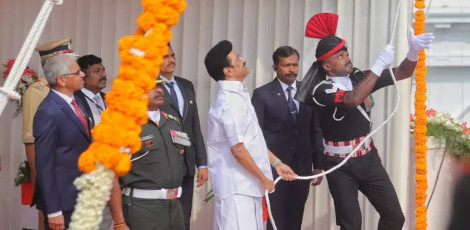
99,103
80,115
291,103
173,93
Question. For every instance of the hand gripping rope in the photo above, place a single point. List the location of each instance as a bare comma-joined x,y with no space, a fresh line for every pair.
8,90
360,144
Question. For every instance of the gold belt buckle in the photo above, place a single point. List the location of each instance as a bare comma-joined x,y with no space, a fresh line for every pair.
172,194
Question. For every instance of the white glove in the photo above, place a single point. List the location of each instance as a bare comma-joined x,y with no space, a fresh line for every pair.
417,43
386,57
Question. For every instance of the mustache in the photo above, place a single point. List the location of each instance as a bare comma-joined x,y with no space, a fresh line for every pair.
349,63
157,95
172,63
291,75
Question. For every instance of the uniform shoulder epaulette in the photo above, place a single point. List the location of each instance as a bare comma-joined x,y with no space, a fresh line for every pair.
170,117
38,84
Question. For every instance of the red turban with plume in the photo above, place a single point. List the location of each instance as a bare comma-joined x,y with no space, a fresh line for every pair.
323,26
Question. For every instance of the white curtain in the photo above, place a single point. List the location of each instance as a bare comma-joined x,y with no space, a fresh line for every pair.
256,28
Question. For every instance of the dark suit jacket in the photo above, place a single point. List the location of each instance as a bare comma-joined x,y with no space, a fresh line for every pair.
299,145
196,153
60,139
461,204
81,95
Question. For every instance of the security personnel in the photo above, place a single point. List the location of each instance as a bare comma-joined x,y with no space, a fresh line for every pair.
152,188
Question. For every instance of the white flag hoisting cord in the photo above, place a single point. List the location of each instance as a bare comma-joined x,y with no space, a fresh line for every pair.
268,204
8,90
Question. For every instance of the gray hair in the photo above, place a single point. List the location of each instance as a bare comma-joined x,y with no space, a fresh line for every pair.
73,55
57,66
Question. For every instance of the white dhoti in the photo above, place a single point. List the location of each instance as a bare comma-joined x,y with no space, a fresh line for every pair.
238,212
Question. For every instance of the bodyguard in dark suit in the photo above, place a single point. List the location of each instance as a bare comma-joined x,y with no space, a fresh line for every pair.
62,132
292,133
180,102
95,81
460,205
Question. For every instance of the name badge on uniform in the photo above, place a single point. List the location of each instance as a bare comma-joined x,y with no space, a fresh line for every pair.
369,103
147,140
180,138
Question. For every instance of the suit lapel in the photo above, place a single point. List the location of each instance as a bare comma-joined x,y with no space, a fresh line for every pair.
85,107
104,101
69,112
169,100
185,96
83,104
279,95
302,107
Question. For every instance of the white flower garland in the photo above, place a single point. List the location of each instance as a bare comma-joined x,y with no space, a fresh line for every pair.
95,192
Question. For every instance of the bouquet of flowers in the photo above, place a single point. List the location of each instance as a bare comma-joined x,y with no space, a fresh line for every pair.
28,77
24,173
455,134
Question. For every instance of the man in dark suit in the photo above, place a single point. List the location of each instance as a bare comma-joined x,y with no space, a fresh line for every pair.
461,204
180,102
292,133
62,132
95,81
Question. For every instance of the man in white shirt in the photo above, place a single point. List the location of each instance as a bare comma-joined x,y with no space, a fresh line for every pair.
238,158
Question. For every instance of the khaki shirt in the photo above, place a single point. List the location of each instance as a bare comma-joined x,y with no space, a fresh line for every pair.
32,97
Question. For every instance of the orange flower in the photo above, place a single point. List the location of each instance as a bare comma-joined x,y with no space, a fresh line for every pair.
141,55
419,4
420,124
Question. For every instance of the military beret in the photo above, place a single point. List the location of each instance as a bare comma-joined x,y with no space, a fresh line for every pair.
216,59
55,47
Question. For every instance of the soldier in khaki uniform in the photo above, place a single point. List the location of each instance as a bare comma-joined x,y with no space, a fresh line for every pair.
33,96
152,188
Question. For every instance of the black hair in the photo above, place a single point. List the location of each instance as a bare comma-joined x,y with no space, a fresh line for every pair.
217,59
88,60
283,52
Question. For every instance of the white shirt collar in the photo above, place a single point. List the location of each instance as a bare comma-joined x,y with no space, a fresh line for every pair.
234,86
172,78
284,85
63,96
343,80
89,94
154,115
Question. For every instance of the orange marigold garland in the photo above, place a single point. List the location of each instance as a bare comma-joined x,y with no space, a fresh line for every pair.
421,124
117,135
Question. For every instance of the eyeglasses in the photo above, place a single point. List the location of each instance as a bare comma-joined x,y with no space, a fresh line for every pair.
74,73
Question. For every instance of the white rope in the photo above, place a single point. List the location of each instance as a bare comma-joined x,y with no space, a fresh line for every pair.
268,203
8,90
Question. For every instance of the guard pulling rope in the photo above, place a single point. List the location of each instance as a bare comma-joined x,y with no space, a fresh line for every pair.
327,23
8,90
